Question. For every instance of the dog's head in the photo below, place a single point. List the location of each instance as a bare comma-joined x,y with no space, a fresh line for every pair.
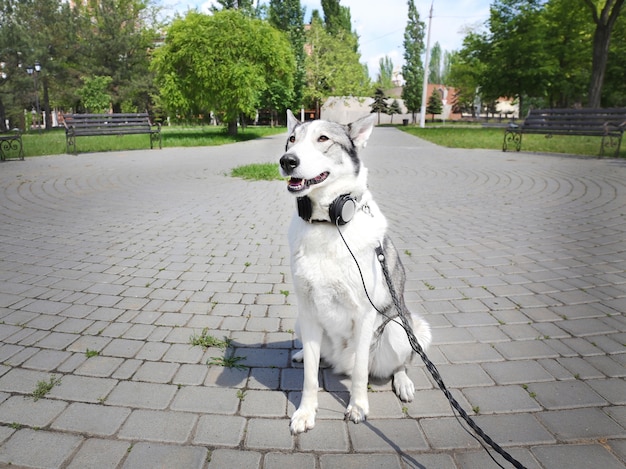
323,156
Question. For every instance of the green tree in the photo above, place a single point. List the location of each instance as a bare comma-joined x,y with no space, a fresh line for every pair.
116,37
394,109
517,62
288,16
604,14
379,105
385,73
435,104
435,66
337,18
225,62
333,67
413,70
94,94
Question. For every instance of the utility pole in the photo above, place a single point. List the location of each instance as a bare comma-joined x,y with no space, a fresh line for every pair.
426,66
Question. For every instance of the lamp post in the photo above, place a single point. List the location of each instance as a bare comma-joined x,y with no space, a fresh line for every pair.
34,71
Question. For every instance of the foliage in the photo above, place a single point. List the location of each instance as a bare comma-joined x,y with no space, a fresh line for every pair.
413,70
380,103
226,63
545,53
394,109
333,67
435,67
385,73
604,18
435,104
94,94
288,16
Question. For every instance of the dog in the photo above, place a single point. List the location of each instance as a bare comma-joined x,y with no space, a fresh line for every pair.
338,224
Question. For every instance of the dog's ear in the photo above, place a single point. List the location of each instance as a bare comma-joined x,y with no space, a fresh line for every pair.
292,122
361,130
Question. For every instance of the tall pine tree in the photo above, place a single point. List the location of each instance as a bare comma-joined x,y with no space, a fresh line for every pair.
413,70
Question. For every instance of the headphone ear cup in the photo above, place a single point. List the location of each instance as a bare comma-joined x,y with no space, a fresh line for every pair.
342,210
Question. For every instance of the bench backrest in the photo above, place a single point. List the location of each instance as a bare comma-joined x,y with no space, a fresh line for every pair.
598,121
107,122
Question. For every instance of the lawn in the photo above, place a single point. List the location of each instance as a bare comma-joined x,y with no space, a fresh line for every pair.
491,138
453,136
53,142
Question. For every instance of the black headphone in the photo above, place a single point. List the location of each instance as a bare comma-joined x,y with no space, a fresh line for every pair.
340,211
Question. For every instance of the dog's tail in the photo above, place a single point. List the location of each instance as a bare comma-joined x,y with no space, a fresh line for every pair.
421,329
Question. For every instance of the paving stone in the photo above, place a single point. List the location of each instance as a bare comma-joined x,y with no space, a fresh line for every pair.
156,425
474,459
446,433
269,434
264,404
577,424
26,411
382,435
22,381
99,366
99,454
576,456
39,448
281,461
565,394
99,420
145,455
206,400
525,350
222,458
359,461
219,430
471,353
142,395
154,372
517,372
328,436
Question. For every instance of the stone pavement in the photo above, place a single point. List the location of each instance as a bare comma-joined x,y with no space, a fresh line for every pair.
111,263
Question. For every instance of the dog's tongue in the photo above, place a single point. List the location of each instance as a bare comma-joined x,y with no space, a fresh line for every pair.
296,185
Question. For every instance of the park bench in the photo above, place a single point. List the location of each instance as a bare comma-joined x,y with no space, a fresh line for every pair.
11,146
606,123
86,125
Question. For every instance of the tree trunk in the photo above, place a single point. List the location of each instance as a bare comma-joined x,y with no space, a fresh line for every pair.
232,128
3,125
601,39
46,104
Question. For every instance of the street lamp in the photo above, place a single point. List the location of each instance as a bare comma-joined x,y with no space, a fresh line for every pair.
34,71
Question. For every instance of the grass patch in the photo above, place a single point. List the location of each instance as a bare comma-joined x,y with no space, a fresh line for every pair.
44,387
491,138
53,142
206,340
258,172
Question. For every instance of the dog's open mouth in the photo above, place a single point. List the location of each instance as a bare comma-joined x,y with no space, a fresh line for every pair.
297,185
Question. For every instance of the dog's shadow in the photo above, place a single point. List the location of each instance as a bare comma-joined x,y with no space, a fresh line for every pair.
270,367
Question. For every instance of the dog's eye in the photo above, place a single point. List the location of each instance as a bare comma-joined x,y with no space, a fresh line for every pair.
292,139
322,138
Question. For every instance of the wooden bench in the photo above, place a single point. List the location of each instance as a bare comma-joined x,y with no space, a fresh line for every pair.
606,123
11,146
86,125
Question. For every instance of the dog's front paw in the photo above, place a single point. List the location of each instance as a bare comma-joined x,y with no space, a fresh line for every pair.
357,413
404,387
302,420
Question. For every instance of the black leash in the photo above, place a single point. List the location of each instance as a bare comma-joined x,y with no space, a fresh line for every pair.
430,366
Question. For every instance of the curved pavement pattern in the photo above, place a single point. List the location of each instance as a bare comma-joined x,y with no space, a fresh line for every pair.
111,262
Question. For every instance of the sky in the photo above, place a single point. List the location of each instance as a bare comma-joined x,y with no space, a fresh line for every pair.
380,24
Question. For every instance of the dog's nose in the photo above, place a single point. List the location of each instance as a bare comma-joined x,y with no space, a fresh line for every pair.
289,162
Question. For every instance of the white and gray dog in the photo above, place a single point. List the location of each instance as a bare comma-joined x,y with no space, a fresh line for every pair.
336,321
